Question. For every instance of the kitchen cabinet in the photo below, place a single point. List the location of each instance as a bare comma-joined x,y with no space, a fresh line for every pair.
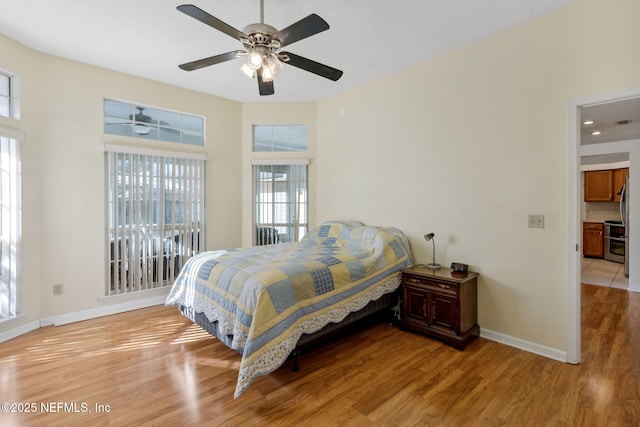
604,185
593,239
598,186
619,179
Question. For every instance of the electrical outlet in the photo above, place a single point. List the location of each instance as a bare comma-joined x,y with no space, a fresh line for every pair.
536,221
58,289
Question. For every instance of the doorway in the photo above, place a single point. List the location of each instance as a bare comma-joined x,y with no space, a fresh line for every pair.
612,139
602,261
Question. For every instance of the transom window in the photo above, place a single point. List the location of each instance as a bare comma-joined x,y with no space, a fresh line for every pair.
5,95
141,121
280,138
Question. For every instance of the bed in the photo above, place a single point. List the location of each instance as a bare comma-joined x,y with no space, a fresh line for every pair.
266,301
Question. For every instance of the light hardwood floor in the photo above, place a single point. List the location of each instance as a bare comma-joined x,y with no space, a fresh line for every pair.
153,367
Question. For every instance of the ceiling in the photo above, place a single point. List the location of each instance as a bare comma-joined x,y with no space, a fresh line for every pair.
615,121
368,39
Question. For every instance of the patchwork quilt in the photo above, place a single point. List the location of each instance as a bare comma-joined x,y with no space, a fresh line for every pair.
266,297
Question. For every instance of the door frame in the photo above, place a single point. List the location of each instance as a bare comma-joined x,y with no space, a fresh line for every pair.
574,240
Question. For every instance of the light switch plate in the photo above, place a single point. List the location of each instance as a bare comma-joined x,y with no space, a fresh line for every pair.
536,221
58,289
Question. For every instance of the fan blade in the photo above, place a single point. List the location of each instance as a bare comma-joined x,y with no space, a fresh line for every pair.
265,88
212,60
204,17
170,130
312,66
306,27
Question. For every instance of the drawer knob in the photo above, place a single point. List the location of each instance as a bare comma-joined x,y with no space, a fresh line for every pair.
444,286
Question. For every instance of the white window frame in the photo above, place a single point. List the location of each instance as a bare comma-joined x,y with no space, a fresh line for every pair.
153,127
14,98
10,222
279,144
154,251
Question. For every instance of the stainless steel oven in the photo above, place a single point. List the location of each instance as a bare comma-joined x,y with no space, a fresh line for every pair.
614,241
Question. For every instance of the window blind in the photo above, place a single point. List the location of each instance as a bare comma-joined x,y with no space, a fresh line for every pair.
9,222
156,217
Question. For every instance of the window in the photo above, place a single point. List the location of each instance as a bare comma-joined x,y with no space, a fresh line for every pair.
5,95
155,216
141,121
280,138
9,223
281,201
280,186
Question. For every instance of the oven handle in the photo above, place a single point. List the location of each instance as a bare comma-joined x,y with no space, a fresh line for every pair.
622,202
616,239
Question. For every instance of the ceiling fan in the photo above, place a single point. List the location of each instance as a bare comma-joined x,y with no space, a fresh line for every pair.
142,123
140,116
262,44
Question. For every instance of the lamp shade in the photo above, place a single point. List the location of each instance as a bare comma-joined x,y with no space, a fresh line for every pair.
254,60
250,72
141,129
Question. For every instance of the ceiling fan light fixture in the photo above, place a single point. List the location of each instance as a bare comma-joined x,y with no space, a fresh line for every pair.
274,64
250,72
271,67
140,129
267,75
254,60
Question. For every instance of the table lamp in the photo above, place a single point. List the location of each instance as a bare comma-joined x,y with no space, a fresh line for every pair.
433,265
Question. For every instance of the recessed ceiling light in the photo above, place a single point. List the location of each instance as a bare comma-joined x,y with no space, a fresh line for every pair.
596,132
588,122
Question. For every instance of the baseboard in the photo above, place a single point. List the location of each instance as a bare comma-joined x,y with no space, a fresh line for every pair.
93,313
551,353
78,316
19,330
112,306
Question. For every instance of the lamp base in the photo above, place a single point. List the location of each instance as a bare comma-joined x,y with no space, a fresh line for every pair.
433,266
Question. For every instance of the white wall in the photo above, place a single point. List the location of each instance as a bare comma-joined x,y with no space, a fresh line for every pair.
470,143
63,168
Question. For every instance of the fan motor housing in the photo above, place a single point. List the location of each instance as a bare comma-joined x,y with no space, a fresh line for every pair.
260,33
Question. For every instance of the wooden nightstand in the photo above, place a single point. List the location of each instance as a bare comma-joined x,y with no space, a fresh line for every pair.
441,304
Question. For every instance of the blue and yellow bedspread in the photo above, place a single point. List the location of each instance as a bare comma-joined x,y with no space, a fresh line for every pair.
268,296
